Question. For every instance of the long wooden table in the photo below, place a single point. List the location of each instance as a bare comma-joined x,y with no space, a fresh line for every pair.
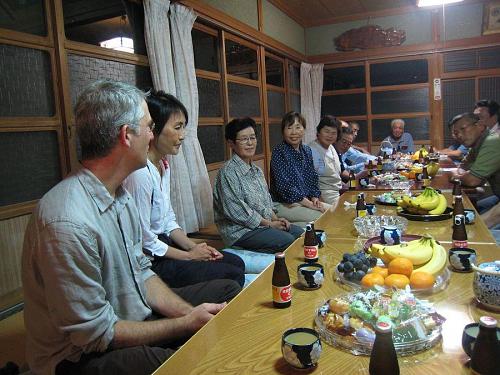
245,337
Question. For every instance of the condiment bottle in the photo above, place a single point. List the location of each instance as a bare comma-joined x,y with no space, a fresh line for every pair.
459,236
383,358
426,181
486,350
457,189
311,245
458,206
361,206
282,289
421,157
352,181
431,149
379,163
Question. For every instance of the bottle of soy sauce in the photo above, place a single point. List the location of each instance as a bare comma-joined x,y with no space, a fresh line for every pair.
282,288
352,181
311,245
426,181
486,350
361,206
459,236
383,358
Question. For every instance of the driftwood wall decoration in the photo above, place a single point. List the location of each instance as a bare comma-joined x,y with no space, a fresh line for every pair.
370,36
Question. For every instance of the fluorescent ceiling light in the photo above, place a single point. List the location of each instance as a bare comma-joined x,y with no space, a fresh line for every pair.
430,3
119,44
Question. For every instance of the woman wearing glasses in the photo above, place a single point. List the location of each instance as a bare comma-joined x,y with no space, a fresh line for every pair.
243,207
176,258
294,181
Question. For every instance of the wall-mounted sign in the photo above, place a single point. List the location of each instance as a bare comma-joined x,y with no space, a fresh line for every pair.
437,88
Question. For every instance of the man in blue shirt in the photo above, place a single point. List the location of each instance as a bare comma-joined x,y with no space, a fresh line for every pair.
400,140
355,158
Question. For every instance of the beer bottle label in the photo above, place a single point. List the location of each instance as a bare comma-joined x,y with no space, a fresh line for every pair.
282,294
459,243
426,182
361,213
353,183
311,252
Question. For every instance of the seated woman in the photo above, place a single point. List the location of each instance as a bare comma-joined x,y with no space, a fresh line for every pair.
294,182
326,160
243,207
176,259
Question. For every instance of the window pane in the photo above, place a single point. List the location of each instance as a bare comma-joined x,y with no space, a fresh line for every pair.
243,100
260,142
206,54
363,131
212,142
25,83
399,73
460,60
274,72
83,70
241,60
275,104
489,58
209,96
29,166
94,22
294,72
352,77
418,127
489,88
295,103
24,16
275,135
343,105
400,101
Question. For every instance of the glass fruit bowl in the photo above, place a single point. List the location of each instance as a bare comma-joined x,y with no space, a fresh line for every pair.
370,226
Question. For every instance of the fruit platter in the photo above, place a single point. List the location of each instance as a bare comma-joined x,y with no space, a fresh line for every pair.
347,320
430,205
419,264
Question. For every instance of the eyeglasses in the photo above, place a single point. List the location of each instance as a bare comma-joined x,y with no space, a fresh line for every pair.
244,140
152,126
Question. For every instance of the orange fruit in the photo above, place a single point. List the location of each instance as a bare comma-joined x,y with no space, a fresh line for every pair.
397,281
402,266
422,280
381,271
371,279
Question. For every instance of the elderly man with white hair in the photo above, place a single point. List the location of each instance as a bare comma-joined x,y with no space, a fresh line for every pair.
400,141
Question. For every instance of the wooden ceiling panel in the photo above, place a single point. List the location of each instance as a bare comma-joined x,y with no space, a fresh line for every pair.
380,5
340,8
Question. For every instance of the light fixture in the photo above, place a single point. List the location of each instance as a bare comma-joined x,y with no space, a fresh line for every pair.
430,3
119,44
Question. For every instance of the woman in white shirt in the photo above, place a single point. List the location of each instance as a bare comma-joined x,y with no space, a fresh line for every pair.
176,258
326,160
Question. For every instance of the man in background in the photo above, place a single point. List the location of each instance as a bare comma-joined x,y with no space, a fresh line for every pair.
399,139
488,111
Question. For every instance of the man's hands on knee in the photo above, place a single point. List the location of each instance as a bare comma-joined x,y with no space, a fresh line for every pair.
201,314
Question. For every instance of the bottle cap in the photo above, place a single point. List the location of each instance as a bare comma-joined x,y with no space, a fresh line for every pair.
383,327
488,321
279,255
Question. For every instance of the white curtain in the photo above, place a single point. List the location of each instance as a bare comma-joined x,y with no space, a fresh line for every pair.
173,71
311,88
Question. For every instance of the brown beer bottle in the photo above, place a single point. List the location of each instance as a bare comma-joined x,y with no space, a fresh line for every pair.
431,149
352,181
459,236
361,206
379,163
282,289
421,156
457,189
458,206
426,181
486,350
311,245
383,358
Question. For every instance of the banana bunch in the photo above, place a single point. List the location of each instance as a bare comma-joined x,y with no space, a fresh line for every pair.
430,202
418,251
425,254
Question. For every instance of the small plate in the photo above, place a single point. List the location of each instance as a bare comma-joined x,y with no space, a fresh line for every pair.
415,217
383,203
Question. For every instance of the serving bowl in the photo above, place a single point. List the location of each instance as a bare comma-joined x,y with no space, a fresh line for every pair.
370,226
486,284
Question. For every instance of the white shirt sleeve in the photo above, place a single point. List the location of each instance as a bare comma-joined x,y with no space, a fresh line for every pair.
170,221
140,186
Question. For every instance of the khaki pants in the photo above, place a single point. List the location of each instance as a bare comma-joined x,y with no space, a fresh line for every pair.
296,213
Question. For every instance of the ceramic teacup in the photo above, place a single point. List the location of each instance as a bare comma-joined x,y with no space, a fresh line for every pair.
461,259
321,236
390,235
470,216
310,275
364,182
371,208
301,347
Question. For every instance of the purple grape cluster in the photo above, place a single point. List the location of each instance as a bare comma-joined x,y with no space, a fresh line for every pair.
355,266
